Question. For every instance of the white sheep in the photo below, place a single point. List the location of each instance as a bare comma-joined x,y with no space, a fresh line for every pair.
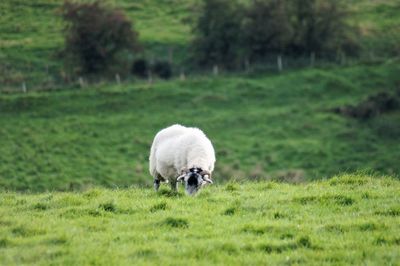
181,153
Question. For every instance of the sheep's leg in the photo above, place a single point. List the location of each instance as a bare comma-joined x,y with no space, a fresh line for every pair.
174,185
156,184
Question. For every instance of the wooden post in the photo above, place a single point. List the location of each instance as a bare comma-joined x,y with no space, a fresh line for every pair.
149,77
215,70
371,56
23,87
81,82
182,76
343,58
118,79
312,59
247,65
279,62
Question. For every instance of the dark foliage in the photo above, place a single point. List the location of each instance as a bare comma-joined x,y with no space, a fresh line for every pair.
374,105
267,29
227,33
96,36
140,68
217,31
163,69
319,26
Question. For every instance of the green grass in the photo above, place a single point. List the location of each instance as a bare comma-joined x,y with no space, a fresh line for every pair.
262,127
350,219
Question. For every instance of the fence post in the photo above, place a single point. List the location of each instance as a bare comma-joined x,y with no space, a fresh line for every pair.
149,77
343,58
215,70
23,87
81,82
182,76
279,61
312,59
118,79
247,65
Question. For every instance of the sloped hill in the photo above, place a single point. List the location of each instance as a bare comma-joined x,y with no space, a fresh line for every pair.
263,127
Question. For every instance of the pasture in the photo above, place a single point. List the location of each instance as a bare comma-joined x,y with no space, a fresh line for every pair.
349,219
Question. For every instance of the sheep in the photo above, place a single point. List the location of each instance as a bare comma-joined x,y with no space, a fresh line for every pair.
182,154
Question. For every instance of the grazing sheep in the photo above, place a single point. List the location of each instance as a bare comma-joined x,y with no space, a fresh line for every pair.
181,153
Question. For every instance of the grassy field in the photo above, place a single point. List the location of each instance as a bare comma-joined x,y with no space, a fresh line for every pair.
351,220
295,183
263,127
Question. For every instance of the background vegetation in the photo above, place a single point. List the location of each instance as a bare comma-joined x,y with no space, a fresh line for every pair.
31,37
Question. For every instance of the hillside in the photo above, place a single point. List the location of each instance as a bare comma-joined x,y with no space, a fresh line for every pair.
348,220
263,127
31,34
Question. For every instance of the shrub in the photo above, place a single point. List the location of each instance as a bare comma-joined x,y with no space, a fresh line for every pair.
96,36
163,69
266,28
140,68
227,32
217,31
319,26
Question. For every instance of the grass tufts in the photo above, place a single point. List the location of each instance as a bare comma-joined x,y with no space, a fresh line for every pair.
387,241
93,193
176,222
230,211
336,199
108,207
168,193
159,207
41,206
304,241
343,200
348,179
62,240
231,187
5,242
255,229
367,227
271,248
279,215
22,231
394,212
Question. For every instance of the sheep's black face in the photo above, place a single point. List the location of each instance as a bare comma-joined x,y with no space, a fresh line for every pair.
194,180
193,183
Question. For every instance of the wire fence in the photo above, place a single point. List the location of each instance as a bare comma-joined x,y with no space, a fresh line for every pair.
38,76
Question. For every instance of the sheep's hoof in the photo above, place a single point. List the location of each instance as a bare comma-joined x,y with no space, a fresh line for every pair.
156,184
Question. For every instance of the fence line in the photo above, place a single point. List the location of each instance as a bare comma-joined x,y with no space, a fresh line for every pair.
54,78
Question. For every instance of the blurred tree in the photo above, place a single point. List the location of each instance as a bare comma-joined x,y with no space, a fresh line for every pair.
267,29
140,67
96,35
320,26
217,34
163,69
